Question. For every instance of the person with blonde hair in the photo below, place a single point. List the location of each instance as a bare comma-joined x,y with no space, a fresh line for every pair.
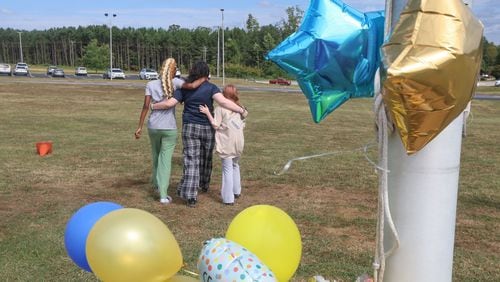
229,142
198,138
162,127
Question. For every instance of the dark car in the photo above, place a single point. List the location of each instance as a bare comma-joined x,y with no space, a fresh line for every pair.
280,81
58,73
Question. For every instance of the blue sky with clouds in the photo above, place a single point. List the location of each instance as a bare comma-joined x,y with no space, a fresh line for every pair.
37,14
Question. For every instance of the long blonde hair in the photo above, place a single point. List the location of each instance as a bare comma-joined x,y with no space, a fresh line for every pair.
167,73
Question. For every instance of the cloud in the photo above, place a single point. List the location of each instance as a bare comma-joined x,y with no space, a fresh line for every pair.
5,11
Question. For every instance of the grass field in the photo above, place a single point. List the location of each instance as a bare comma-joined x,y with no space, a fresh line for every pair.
332,199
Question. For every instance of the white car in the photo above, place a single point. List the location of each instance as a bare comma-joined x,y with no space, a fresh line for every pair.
114,73
5,69
81,71
148,74
21,69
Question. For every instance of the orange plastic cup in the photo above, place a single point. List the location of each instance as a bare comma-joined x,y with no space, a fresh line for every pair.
44,148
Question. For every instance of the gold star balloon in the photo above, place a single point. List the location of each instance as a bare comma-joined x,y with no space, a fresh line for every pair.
431,61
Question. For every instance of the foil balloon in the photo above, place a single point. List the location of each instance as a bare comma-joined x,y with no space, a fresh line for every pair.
224,260
432,60
334,54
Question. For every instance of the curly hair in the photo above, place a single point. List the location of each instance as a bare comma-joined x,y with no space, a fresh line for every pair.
167,73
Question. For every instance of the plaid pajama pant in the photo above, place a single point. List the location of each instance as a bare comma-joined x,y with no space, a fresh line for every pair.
198,141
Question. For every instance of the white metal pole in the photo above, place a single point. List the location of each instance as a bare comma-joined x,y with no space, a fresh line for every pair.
111,16
218,50
422,191
223,71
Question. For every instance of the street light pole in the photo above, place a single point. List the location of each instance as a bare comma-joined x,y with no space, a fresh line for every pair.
223,71
20,47
111,16
218,50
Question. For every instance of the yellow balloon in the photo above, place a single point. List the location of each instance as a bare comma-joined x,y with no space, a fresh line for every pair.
132,245
182,278
270,234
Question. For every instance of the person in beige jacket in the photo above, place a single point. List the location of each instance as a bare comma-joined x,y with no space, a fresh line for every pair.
229,143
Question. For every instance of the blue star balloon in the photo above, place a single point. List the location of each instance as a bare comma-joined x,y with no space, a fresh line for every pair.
334,54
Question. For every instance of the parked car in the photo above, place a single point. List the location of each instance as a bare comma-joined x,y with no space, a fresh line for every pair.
58,73
5,69
497,83
50,69
280,81
81,71
21,69
148,74
114,73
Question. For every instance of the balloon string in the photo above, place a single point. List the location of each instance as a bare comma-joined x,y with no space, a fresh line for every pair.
287,166
189,271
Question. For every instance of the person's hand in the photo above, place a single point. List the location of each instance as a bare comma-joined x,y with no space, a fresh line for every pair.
244,114
138,133
204,109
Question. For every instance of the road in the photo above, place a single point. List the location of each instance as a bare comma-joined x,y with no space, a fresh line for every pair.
96,79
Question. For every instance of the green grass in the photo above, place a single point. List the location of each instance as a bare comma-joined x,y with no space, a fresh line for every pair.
332,199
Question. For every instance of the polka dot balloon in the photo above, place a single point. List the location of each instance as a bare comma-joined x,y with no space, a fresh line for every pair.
225,260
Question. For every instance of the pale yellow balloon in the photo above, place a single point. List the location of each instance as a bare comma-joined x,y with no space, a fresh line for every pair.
270,234
182,278
132,245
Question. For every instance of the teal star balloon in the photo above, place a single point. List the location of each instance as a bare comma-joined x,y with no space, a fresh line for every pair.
334,54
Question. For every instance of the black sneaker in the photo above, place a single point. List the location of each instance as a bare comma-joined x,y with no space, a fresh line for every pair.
236,196
228,204
204,190
191,202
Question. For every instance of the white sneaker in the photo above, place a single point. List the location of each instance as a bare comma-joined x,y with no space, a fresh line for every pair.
166,201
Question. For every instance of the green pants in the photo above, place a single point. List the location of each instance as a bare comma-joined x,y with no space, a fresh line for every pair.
162,149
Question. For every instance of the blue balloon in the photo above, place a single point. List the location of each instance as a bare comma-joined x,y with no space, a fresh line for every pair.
334,54
78,229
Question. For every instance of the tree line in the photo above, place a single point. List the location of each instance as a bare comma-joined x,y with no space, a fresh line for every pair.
491,59
136,48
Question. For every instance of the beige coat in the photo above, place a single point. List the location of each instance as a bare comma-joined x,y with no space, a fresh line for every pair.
229,139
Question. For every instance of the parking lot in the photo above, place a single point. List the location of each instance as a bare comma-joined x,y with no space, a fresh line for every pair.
35,74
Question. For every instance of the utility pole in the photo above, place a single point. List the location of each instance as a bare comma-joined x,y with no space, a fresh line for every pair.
72,53
21,47
111,16
204,53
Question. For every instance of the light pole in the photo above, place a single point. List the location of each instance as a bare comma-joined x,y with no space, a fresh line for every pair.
111,16
218,50
223,72
20,47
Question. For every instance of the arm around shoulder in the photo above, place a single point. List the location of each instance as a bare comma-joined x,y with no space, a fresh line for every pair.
165,104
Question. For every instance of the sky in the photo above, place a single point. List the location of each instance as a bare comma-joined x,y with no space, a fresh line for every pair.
40,15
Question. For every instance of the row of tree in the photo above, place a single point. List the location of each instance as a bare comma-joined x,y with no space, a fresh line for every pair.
491,59
135,48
